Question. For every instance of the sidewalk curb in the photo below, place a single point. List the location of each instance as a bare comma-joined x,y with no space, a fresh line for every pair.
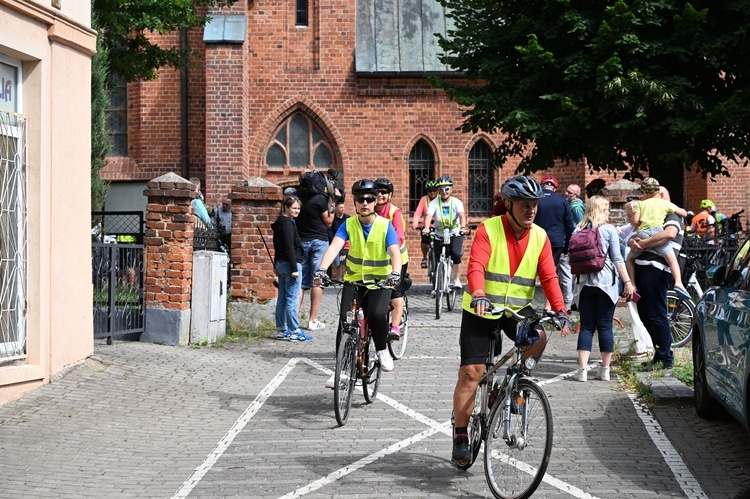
666,389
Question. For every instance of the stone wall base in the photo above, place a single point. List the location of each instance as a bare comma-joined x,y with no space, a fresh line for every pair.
167,326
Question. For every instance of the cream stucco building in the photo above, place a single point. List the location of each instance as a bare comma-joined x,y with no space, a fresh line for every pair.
45,251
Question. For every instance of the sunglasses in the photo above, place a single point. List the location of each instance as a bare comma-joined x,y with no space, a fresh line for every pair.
445,189
364,199
431,190
383,192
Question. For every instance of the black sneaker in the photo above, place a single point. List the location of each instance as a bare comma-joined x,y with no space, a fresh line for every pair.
423,263
461,452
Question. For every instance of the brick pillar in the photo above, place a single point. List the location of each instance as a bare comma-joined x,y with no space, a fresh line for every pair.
169,256
618,194
255,205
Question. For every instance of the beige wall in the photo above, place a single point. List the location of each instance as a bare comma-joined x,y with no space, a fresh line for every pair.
55,48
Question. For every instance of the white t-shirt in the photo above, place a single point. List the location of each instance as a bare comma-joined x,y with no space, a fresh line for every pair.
446,214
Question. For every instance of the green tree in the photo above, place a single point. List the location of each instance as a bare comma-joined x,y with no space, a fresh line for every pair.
126,25
100,140
625,84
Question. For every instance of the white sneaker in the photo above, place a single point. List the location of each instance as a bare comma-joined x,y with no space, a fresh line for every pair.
432,293
581,375
332,380
386,361
603,374
315,325
457,283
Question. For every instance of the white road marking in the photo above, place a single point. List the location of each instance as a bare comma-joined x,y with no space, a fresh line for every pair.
688,483
681,472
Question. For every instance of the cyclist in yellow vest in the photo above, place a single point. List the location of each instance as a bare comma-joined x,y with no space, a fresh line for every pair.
374,255
507,255
448,212
386,209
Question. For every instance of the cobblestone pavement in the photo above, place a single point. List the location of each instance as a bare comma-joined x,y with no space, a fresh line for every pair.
143,420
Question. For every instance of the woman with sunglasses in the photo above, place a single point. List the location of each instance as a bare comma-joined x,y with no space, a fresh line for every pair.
374,255
448,212
386,209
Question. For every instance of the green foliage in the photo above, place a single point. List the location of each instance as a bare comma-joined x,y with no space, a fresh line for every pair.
100,139
625,84
126,25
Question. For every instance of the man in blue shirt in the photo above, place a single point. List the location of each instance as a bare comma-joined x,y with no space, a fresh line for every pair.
555,217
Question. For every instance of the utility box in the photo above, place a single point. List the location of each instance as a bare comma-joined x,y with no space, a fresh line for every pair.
209,299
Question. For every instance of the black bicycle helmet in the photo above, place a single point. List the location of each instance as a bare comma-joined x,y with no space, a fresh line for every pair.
384,183
521,187
364,186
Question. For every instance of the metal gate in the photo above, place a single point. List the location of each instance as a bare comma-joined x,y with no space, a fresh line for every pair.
117,272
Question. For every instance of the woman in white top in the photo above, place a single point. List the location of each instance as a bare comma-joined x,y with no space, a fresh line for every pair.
597,293
644,346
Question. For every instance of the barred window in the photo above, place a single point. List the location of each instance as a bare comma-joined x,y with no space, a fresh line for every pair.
301,18
421,169
481,180
13,236
299,143
117,117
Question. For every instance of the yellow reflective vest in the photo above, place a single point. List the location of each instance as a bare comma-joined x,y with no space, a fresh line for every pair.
368,259
502,290
404,254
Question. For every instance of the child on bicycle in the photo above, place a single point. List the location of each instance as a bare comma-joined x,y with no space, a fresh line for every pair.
649,215
374,255
507,255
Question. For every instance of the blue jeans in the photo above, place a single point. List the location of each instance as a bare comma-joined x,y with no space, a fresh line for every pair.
314,251
286,303
596,312
652,284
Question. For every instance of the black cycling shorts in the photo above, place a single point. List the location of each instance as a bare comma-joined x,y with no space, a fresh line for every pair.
476,333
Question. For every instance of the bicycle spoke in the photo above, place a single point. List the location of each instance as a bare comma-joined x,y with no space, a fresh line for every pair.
515,464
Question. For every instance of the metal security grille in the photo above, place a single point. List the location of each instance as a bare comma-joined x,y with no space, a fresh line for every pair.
13,235
421,169
481,179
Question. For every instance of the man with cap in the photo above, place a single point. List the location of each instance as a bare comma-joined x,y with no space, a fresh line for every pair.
555,217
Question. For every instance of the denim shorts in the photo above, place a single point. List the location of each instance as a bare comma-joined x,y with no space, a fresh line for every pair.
314,251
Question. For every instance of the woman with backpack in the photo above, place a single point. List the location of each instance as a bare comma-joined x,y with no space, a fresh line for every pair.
597,292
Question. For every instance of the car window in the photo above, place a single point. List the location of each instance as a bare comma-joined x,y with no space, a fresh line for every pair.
739,275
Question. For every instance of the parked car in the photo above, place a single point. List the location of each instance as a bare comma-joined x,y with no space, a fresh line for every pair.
721,340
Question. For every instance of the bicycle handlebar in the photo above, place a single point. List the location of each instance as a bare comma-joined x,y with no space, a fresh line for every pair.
381,283
544,317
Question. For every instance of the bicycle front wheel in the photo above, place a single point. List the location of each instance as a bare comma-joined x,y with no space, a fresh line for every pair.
345,377
518,443
439,287
680,318
397,348
373,372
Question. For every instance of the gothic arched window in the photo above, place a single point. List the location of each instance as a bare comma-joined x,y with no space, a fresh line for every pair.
421,169
481,180
299,143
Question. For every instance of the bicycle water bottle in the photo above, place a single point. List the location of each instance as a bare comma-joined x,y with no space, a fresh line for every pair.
446,236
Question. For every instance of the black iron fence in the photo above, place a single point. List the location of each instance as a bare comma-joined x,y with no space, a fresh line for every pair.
117,274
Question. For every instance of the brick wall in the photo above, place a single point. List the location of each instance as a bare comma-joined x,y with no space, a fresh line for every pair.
240,94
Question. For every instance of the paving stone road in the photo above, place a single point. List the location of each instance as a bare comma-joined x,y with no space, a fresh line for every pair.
143,420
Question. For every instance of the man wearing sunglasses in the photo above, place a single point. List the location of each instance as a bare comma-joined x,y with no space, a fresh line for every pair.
448,212
386,209
417,222
374,255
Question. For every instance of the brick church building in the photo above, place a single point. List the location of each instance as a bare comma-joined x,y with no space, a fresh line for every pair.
283,84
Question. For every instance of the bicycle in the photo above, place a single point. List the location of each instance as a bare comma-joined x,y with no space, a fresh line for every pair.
442,284
514,419
356,357
431,259
397,348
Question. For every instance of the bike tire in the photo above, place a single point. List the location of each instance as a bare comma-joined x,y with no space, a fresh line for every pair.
681,314
345,377
474,429
397,348
373,372
431,268
439,285
515,468
451,299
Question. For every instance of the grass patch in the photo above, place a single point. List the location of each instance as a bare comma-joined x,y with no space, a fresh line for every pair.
682,368
627,370
245,336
